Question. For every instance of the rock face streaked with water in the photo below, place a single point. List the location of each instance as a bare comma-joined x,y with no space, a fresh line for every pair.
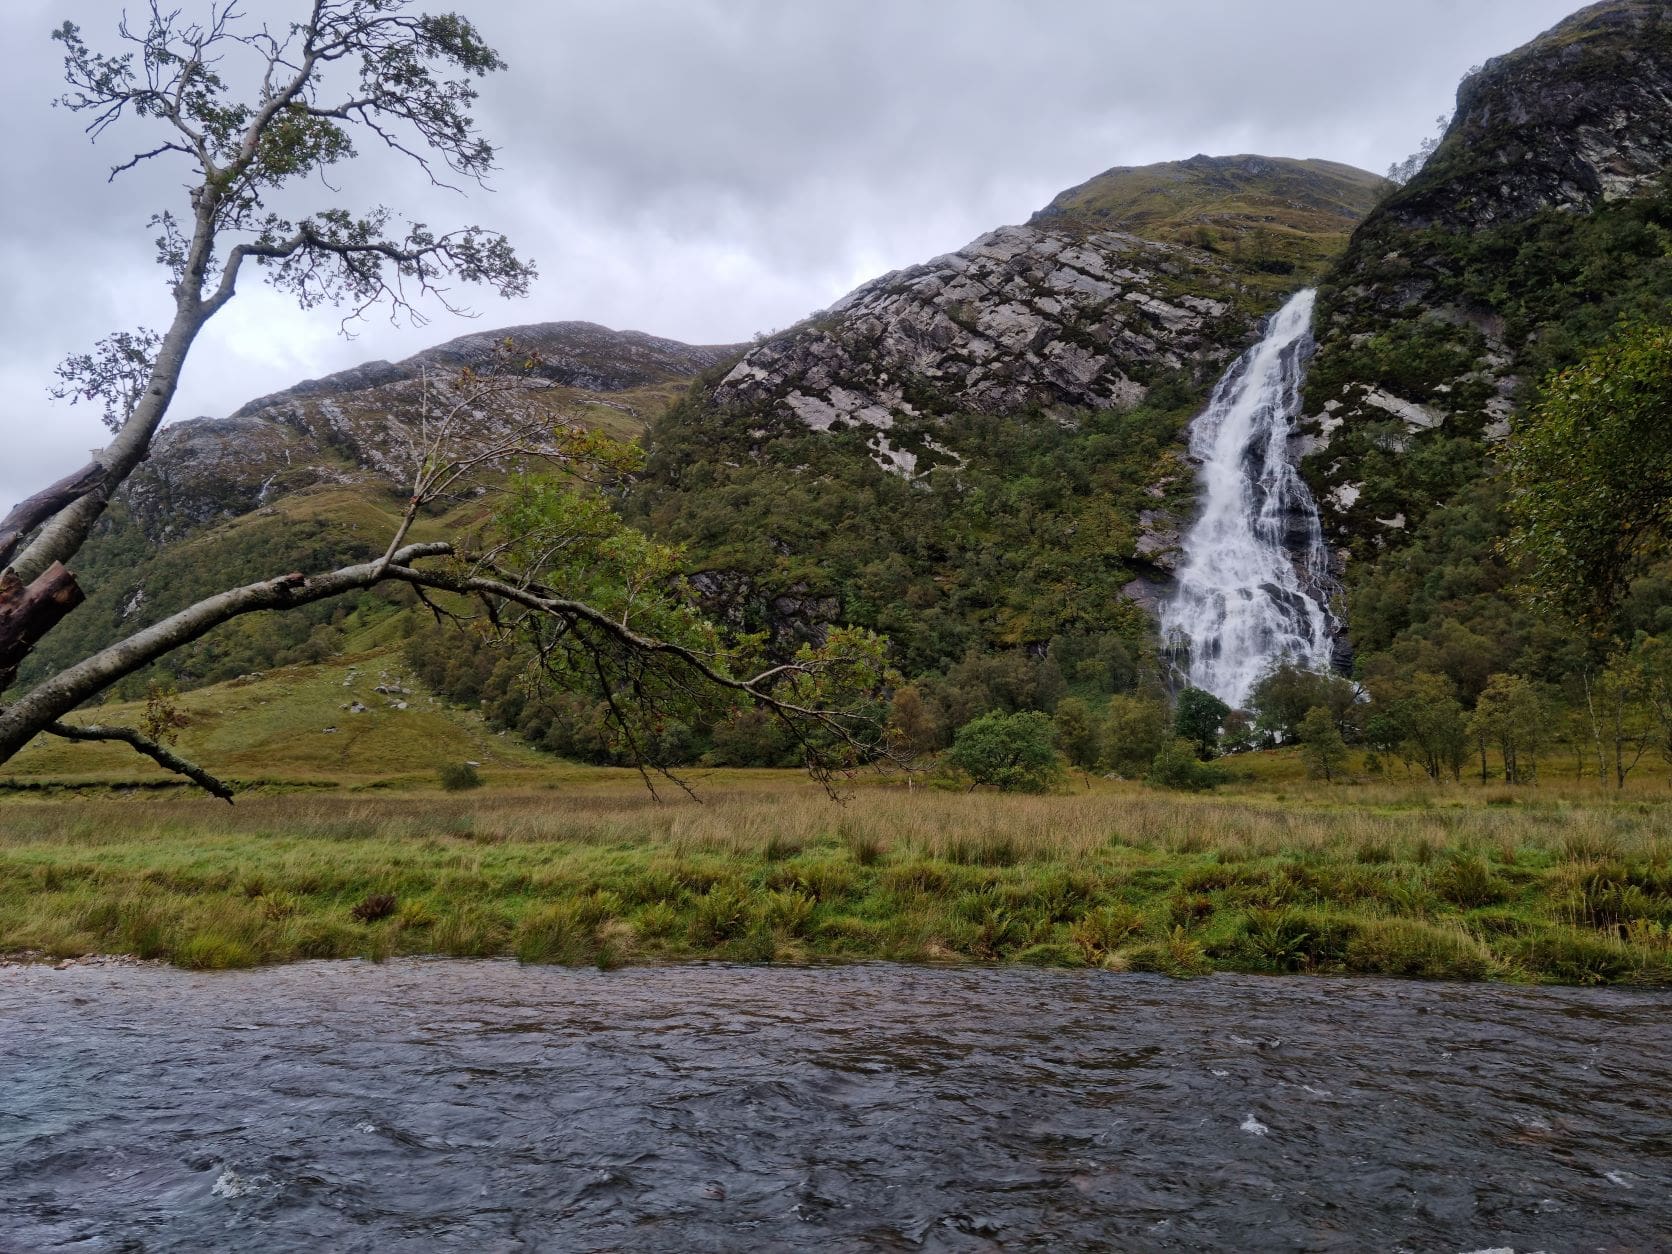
1252,587
445,1105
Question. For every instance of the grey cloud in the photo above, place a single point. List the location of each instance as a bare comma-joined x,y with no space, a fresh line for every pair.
709,168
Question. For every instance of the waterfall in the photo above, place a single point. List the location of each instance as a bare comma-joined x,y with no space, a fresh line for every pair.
1255,575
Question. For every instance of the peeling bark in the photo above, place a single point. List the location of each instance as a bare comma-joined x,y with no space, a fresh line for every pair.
29,611
29,514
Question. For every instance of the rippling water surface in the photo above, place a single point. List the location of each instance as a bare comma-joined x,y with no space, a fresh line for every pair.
436,1105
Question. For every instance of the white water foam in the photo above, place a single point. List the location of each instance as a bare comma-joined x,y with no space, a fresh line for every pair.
1250,591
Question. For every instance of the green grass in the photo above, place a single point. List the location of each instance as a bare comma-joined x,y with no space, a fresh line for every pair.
272,730
1576,890
1280,220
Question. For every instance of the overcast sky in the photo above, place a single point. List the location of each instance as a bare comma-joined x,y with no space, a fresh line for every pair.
707,169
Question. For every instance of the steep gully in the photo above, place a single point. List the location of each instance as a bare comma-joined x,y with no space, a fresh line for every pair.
1254,583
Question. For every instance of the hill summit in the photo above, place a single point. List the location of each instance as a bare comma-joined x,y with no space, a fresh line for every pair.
1137,274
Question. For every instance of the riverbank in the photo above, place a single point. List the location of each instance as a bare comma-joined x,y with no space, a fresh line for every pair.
1572,888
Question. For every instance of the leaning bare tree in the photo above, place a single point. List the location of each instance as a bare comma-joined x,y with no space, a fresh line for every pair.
249,109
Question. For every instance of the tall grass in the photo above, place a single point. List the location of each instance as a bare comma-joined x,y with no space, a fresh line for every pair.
1572,886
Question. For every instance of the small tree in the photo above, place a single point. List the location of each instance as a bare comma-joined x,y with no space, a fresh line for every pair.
1078,735
1420,718
1288,692
1321,745
916,725
1591,473
1651,657
1011,752
1622,719
1511,715
1198,719
1135,729
1177,767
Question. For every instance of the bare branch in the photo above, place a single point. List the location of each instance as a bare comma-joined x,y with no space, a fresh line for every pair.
53,698
158,753
29,611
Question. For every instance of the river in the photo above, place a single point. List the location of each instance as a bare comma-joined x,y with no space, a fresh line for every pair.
483,1106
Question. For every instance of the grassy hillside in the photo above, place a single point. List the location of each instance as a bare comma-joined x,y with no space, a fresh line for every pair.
1284,220
295,726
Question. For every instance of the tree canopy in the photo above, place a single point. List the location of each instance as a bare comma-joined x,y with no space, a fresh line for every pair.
1592,471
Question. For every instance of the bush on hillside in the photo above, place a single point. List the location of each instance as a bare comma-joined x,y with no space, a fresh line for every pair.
1177,767
460,777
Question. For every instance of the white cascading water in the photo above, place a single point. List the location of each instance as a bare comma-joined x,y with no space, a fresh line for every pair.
1255,572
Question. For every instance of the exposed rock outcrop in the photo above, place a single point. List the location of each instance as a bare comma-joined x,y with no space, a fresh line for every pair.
1137,274
1428,326
356,426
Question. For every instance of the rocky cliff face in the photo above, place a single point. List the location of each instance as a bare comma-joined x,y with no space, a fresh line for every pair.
1460,290
354,427
1137,274
1581,115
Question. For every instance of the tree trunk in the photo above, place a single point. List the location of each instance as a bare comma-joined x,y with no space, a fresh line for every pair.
29,611
1596,730
29,514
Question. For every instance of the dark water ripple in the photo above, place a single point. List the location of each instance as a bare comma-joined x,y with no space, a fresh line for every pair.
436,1105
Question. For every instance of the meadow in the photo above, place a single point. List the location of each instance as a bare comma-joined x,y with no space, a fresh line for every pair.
1556,882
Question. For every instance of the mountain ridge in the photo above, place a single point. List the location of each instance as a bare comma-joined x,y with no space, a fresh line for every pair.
1139,272
336,429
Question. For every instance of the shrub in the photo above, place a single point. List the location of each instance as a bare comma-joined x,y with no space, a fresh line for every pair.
987,931
788,911
720,914
1101,932
1011,752
1290,939
1177,767
460,777
822,880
